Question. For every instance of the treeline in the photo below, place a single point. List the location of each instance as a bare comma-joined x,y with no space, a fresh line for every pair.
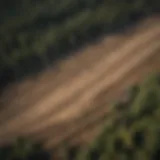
131,132
33,34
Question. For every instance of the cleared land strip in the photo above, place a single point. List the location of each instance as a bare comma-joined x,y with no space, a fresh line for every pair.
83,81
70,102
117,77
88,126
24,98
133,62
77,102
27,98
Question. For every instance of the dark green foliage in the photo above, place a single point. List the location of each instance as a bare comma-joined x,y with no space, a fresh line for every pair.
35,33
23,149
140,138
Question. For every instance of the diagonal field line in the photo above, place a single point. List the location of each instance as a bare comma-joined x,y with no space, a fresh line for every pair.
122,71
116,77
72,104
82,81
22,122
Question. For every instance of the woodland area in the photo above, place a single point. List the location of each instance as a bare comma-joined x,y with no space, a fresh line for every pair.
34,34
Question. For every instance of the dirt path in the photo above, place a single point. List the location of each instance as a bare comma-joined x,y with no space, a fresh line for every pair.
75,106
28,91
100,113
36,114
81,82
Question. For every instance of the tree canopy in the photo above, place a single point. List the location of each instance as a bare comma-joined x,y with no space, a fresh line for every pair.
34,33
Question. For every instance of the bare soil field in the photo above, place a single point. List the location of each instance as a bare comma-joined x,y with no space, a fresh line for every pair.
70,101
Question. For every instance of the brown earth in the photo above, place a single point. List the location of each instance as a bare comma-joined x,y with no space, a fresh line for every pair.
70,101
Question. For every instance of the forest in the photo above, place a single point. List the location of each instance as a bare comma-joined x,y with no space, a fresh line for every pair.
35,34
